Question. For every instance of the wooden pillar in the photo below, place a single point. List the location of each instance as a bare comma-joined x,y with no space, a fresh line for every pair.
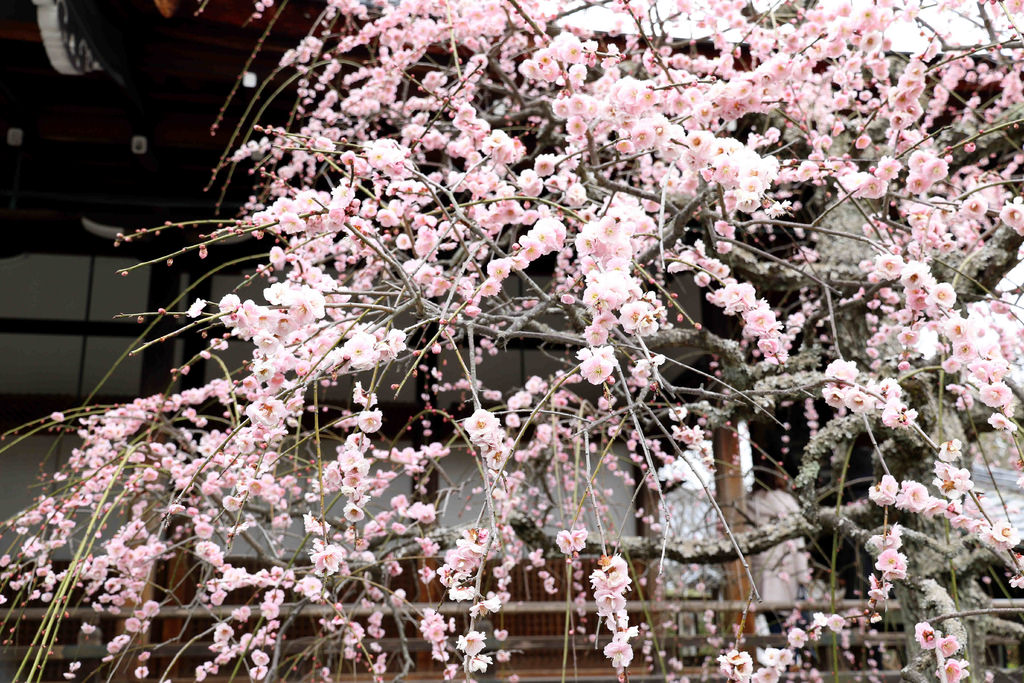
177,571
158,359
731,493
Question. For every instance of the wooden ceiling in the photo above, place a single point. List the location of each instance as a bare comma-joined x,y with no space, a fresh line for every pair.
76,158
172,76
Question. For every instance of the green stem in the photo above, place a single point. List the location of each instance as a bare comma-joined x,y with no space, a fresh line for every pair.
832,583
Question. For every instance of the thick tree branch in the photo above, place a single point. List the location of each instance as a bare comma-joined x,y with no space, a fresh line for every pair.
763,538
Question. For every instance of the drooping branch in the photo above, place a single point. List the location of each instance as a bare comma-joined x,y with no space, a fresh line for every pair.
710,551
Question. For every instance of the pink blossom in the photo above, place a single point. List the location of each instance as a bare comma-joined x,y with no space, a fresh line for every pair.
423,513
370,421
948,645
327,559
570,542
796,638
996,395
885,492
1001,422
620,653
267,411
598,363
949,451
736,666
478,663
892,564
889,266
953,482
952,670
913,496
1002,535
942,295
927,637
1012,214
471,643
612,574
842,370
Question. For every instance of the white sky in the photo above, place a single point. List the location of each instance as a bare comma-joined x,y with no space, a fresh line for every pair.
905,36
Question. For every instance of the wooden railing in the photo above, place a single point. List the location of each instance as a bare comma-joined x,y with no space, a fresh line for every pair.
537,657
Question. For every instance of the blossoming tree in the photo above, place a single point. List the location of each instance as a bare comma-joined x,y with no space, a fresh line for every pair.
462,179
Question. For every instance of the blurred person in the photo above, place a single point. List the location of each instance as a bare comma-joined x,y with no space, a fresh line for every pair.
779,572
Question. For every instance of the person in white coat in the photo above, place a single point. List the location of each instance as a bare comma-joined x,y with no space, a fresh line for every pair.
779,572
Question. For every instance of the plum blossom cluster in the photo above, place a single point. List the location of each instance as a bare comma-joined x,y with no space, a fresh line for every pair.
523,281
459,570
759,321
950,670
975,350
571,542
956,503
610,582
884,396
485,432
776,662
